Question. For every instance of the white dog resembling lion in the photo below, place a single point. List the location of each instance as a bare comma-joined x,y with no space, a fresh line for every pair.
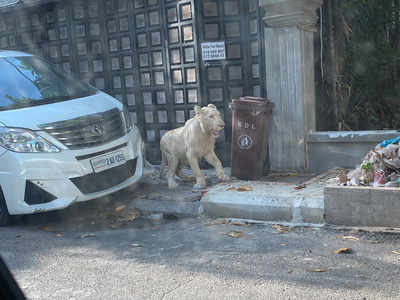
187,144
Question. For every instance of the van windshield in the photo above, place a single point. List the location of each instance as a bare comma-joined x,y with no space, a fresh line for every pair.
29,81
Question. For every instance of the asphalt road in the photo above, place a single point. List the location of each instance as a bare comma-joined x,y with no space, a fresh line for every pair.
91,251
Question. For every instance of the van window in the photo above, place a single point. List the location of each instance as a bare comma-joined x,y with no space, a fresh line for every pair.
29,81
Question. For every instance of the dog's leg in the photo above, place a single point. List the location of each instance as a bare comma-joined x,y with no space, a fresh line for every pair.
213,160
200,179
172,165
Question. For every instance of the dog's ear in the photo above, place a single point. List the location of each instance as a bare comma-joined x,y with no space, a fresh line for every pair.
197,109
212,106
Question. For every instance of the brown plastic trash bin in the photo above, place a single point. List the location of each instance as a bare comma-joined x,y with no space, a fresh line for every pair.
250,126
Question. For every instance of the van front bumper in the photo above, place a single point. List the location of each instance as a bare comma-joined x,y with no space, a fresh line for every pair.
38,182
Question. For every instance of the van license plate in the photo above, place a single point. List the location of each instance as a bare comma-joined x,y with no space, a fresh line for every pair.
108,161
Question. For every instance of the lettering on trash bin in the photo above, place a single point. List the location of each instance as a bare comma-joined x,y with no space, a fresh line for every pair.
246,125
245,142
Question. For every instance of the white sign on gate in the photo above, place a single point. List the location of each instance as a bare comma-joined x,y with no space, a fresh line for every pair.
213,50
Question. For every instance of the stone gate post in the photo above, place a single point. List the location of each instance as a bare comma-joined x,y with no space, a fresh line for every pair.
289,60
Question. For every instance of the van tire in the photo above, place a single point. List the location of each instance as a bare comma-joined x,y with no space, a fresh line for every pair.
5,217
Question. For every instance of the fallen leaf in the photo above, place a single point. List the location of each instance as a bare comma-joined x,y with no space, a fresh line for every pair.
396,252
235,234
284,244
231,189
203,192
351,238
217,222
300,186
19,235
136,245
244,188
130,217
238,223
290,174
343,250
374,242
281,229
317,270
47,228
59,234
120,208
87,235
115,226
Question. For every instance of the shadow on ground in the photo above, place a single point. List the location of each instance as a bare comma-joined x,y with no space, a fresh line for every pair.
199,246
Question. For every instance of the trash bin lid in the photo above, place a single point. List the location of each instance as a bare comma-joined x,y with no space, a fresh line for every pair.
252,104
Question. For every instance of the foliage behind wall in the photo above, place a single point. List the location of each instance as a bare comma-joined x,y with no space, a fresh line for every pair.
359,80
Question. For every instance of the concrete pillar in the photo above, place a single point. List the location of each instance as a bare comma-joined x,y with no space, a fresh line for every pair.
289,61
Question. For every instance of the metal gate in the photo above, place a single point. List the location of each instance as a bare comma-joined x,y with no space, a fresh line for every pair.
146,53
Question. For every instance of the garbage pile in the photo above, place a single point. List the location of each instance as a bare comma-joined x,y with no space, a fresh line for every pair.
380,167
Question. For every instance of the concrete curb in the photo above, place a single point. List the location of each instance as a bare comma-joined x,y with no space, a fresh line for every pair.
362,206
267,201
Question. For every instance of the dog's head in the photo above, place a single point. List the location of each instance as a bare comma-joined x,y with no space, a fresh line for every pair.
210,119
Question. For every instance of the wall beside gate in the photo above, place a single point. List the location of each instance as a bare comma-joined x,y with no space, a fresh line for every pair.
147,54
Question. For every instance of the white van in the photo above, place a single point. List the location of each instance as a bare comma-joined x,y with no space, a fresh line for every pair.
61,140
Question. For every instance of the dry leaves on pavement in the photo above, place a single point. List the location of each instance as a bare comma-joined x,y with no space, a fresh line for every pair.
242,188
316,270
120,208
227,222
203,192
235,234
130,216
281,229
300,186
47,228
343,251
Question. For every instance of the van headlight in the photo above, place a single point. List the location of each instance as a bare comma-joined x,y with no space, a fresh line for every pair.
24,141
128,120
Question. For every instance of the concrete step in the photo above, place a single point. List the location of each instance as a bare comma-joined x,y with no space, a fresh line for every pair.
277,200
179,201
153,196
266,201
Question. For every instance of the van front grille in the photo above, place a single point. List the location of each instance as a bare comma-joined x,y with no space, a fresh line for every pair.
87,131
97,182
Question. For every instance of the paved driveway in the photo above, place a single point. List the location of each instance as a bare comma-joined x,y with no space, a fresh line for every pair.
104,250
